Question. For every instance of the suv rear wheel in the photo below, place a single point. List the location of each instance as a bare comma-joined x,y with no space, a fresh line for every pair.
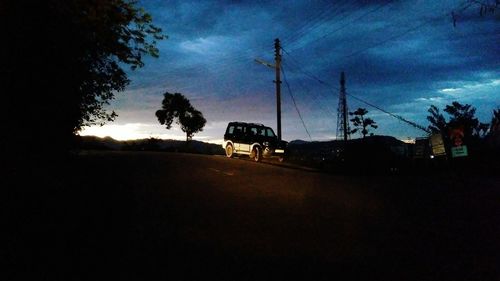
229,150
256,154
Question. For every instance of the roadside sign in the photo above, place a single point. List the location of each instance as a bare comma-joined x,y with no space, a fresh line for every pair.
456,136
420,147
437,145
459,151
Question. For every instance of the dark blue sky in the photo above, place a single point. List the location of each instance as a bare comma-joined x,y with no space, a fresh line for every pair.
400,55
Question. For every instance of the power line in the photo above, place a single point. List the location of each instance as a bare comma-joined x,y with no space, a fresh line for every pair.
391,114
321,20
307,73
459,9
400,35
309,22
310,75
464,7
358,18
317,20
294,103
366,102
316,99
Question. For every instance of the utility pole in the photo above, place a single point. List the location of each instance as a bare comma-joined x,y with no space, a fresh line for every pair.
277,58
342,111
277,68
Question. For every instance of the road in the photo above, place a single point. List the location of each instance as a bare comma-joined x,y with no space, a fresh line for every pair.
148,215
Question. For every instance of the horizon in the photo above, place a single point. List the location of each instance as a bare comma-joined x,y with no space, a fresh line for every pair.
220,141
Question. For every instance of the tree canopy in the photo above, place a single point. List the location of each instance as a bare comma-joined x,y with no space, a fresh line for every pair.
461,116
361,123
495,122
177,107
63,61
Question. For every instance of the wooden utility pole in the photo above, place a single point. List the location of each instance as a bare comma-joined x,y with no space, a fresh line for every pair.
277,68
277,64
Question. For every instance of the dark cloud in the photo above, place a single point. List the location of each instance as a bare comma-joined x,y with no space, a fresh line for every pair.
396,54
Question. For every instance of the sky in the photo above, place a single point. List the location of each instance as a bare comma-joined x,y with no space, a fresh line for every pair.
401,56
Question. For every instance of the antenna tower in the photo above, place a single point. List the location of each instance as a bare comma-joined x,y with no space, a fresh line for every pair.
342,111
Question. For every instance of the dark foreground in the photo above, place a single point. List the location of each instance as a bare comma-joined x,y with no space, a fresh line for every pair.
150,216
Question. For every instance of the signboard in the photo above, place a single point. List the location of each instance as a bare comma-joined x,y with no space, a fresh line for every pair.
456,136
458,148
459,151
420,147
437,145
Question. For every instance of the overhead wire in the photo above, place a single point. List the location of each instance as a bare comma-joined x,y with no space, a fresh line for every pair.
318,100
319,103
462,8
308,22
314,96
307,73
409,30
329,33
295,103
356,19
367,103
318,22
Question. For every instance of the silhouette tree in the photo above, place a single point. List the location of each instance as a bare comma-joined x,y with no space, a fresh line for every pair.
62,63
437,120
361,123
192,123
495,122
177,107
460,116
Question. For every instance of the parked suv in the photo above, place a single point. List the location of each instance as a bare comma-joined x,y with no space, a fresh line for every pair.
255,140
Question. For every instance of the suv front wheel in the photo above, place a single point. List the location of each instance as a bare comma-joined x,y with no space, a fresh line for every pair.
229,150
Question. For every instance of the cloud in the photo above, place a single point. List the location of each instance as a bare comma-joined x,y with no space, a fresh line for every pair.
407,56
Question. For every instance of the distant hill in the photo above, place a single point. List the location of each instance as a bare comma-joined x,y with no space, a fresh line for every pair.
151,144
296,142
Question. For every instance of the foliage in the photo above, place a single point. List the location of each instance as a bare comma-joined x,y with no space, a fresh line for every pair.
437,120
495,122
178,107
64,60
460,116
361,123
192,122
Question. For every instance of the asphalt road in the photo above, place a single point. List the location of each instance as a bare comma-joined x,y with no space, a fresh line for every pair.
151,216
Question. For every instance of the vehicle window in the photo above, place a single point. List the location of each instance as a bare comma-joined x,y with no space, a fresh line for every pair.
239,130
269,132
230,130
253,131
